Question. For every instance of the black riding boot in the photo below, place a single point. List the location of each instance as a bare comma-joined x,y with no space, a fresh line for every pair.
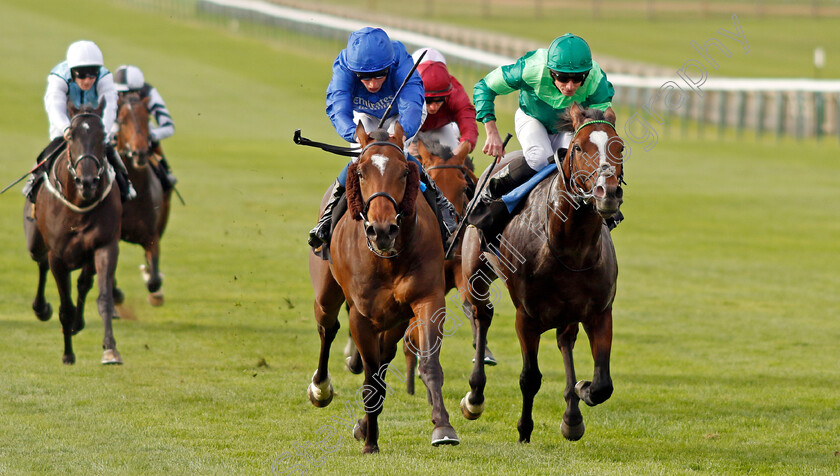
320,235
490,214
55,147
127,191
163,171
444,210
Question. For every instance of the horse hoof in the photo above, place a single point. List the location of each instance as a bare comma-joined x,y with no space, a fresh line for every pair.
111,357
582,391
358,434
370,449
68,359
78,327
574,432
320,395
470,411
45,314
444,435
119,297
488,357
353,370
156,298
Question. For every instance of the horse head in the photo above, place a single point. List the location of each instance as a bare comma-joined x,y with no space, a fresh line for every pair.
593,165
382,188
133,136
447,170
86,149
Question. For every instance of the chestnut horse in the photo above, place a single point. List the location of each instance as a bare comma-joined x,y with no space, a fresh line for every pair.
387,262
75,223
558,262
144,218
452,174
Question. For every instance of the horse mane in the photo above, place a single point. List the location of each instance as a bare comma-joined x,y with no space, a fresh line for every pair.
434,147
565,121
356,204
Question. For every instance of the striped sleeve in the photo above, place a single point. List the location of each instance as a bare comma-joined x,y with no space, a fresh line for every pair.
157,108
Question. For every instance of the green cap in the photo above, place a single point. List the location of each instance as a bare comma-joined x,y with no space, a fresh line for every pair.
569,54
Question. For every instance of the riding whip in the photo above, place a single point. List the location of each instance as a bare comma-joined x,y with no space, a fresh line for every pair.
57,151
487,174
413,68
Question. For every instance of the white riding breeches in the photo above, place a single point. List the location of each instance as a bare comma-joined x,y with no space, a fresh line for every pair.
538,145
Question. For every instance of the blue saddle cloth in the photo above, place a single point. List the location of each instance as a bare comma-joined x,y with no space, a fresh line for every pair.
512,198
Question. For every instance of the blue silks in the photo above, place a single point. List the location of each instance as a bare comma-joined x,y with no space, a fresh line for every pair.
516,195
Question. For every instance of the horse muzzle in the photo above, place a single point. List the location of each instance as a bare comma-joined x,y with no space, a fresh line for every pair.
382,235
608,198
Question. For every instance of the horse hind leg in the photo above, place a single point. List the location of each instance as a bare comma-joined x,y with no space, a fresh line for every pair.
105,260
572,426
530,379
152,275
328,300
600,389
38,251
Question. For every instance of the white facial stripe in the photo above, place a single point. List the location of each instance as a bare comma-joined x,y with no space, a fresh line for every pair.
379,161
600,138
85,126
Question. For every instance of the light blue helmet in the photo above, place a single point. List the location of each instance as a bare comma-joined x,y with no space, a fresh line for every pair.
369,50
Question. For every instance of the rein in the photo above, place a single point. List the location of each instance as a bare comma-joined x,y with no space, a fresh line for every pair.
57,193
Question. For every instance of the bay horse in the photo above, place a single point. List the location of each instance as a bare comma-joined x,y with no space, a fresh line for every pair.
559,265
75,223
387,262
145,217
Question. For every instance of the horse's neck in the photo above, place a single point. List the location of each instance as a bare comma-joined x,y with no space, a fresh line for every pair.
574,227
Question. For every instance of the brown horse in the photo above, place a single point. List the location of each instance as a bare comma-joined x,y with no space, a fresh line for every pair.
387,259
74,224
558,262
144,218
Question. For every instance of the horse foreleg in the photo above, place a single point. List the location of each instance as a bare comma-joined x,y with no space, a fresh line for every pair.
66,311
105,260
409,342
572,426
83,285
430,316
154,280
530,379
373,390
43,310
599,330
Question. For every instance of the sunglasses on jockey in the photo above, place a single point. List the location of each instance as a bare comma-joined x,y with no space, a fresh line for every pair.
85,72
432,100
372,74
566,77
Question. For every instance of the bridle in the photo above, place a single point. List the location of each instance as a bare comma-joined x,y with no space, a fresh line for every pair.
71,164
603,171
129,101
399,218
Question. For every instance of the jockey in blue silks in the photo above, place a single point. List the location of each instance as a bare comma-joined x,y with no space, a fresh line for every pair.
366,77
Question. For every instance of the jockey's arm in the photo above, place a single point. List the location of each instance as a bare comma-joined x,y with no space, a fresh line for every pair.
493,143
107,92
165,125
55,103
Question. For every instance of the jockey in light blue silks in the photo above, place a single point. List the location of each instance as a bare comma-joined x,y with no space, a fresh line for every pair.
83,79
366,77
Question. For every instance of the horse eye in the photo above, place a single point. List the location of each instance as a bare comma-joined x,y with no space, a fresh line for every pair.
577,148
405,173
78,181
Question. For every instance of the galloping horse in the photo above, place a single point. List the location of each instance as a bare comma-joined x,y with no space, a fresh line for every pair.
558,262
74,224
144,218
452,174
387,259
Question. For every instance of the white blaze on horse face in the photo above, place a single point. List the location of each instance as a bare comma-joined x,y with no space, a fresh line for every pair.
380,161
85,126
600,139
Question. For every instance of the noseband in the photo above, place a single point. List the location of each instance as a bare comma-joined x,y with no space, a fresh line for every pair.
71,164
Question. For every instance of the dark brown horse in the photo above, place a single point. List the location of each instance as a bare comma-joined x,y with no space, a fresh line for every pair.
144,218
75,223
452,174
558,262
387,259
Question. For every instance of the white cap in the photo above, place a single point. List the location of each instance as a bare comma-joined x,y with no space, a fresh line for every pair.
128,78
84,53
431,55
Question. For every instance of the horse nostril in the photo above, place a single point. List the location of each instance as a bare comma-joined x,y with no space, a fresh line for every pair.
393,230
370,231
599,192
619,193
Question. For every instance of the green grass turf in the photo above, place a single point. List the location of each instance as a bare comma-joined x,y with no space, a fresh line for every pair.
725,357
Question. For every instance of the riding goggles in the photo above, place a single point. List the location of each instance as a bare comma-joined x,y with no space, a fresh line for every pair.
432,100
85,72
372,74
566,77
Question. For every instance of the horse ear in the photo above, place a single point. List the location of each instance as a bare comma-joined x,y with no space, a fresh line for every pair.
362,135
399,134
99,109
71,109
609,115
425,156
576,113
